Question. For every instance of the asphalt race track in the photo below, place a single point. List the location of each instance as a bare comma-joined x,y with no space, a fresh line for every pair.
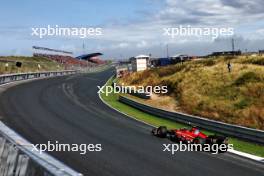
68,109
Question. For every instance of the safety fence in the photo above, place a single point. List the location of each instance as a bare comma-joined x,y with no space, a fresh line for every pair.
249,134
23,76
17,157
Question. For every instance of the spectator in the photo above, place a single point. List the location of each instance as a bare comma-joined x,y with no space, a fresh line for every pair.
229,67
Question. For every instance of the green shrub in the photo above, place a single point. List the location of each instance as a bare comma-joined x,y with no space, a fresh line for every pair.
169,70
242,104
207,62
256,60
247,77
228,58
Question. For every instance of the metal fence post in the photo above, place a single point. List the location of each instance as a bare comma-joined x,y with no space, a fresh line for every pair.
3,166
22,165
2,145
11,160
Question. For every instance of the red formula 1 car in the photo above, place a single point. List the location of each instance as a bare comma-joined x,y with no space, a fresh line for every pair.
192,135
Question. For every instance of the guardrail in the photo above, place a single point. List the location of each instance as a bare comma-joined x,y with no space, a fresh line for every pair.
212,125
17,156
23,76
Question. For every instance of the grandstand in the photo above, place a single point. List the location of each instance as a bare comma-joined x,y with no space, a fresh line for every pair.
63,57
93,57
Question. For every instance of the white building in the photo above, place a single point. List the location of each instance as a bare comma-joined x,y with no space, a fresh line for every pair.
139,62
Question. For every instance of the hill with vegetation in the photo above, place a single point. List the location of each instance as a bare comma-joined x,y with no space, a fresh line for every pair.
29,64
206,88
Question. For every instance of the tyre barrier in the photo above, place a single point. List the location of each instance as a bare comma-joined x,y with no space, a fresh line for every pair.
245,133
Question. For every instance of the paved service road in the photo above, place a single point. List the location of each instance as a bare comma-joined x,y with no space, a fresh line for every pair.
69,110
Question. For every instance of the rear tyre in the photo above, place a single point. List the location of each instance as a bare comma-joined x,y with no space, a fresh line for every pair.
162,131
199,141
173,137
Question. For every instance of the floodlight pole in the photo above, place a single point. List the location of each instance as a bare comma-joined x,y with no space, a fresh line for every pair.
233,44
167,50
83,46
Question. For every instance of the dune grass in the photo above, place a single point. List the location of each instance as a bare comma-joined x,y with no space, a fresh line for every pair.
206,88
29,64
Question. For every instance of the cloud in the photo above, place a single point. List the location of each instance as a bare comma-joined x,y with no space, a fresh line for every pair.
244,16
145,33
197,13
248,7
211,12
142,44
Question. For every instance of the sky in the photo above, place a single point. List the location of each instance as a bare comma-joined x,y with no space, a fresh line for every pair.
131,27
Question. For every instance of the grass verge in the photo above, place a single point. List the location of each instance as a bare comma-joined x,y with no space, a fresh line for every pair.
29,64
112,100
